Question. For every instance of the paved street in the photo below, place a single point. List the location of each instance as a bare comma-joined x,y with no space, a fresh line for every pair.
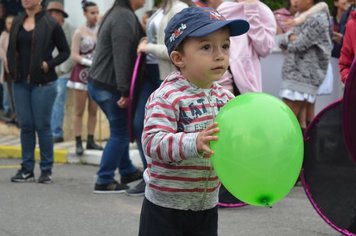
69,208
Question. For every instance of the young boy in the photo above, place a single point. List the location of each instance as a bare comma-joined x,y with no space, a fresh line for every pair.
182,187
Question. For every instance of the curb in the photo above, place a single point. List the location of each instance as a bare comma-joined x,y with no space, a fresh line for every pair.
64,156
60,155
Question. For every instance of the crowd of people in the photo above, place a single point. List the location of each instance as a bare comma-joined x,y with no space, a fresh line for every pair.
43,56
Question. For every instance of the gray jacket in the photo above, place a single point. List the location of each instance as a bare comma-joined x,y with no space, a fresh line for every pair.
116,49
305,66
66,67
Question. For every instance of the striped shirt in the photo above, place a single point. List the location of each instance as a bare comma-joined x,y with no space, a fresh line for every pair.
176,112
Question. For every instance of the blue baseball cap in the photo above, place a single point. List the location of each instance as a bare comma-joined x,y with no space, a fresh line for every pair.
199,22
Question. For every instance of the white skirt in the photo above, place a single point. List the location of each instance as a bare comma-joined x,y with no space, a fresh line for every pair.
297,96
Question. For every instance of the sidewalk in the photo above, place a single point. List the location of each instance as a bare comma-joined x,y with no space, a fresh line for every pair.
64,152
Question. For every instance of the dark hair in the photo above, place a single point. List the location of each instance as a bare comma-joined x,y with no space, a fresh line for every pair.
107,13
149,13
44,4
86,4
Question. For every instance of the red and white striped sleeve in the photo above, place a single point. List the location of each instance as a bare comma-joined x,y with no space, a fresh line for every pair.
161,139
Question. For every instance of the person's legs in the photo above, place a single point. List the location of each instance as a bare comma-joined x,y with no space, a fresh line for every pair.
80,97
92,110
150,83
296,107
42,100
22,97
24,112
58,108
6,100
157,220
116,151
1,96
310,112
200,223
11,100
302,117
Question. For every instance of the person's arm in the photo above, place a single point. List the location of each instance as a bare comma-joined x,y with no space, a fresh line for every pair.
75,50
307,37
262,26
347,52
301,18
159,50
123,50
160,138
3,47
60,42
283,39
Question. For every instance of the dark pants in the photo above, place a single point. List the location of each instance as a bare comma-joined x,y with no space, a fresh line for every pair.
33,110
150,83
116,151
156,220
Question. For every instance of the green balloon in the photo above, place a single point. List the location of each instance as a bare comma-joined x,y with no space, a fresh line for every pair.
259,152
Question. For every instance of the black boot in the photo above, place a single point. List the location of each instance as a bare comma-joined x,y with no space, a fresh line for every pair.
79,146
91,143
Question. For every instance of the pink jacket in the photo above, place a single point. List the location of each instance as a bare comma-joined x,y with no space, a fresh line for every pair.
348,50
246,50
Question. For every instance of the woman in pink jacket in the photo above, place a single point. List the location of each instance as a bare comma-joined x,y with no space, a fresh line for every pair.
246,50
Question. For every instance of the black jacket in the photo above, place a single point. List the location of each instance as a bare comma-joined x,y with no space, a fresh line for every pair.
46,35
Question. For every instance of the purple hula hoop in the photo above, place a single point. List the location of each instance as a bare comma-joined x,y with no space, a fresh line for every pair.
131,95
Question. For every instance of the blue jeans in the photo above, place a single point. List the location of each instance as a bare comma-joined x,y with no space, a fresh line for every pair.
6,98
116,151
151,81
33,110
59,106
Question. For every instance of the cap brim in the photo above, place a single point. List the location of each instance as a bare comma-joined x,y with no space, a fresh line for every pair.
237,27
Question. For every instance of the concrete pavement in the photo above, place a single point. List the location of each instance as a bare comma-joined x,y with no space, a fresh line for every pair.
68,207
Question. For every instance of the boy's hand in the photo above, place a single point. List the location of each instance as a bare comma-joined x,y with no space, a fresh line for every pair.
204,138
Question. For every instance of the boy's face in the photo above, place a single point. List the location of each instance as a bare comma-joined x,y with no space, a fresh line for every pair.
204,60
